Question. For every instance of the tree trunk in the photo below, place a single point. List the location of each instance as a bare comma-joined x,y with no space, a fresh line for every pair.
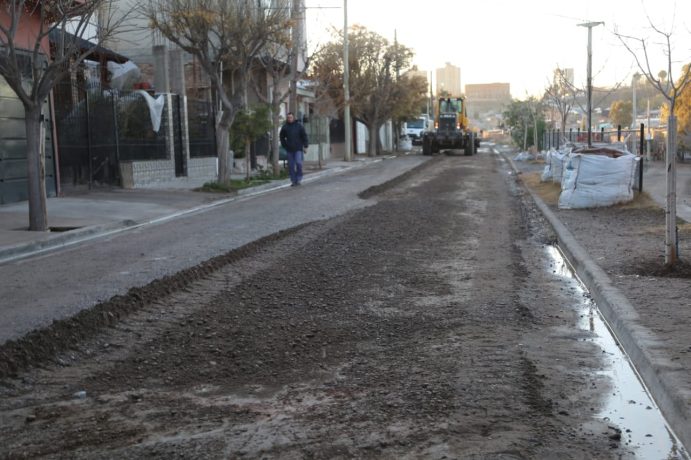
248,160
373,139
396,134
249,163
671,209
36,168
276,120
222,147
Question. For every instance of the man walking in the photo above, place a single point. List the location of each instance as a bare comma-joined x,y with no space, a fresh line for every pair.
294,139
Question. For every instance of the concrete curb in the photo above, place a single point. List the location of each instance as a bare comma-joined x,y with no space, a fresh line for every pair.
73,237
623,320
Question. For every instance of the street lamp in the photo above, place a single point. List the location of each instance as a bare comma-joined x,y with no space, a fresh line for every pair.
590,26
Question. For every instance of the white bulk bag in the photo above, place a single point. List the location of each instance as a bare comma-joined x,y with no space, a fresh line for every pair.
554,161
591,181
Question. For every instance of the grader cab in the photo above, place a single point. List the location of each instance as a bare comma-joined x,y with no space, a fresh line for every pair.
451,130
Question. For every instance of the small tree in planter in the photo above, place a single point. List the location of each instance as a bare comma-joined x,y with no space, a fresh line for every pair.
672,89
249,125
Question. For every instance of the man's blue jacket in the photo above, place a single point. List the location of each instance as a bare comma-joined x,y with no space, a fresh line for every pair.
293,137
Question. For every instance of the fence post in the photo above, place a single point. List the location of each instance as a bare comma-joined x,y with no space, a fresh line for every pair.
602,134
642,139
88,139
116,128
578,134
570,134
558,136
640,162
618,133
550,138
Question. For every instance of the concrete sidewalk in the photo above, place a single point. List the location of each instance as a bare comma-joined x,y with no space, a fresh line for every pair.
91,214
655,184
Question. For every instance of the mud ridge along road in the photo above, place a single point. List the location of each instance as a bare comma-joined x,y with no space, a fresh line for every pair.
427,324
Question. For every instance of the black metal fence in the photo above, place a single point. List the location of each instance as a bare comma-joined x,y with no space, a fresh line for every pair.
97,129
639,140
201,130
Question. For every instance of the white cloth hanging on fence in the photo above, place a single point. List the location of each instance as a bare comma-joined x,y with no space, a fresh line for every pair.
155,108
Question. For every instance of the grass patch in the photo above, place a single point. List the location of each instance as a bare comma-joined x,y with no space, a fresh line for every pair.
641,200
238,184
263,177
230,187
548,191
215,187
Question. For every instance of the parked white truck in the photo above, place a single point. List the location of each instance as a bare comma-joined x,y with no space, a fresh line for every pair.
415,127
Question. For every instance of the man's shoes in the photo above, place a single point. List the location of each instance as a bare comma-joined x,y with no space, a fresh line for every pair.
293,184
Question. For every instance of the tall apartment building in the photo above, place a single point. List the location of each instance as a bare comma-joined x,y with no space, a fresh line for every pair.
487,97
563,74
449,80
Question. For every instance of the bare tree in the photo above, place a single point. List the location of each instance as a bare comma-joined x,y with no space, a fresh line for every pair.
561,95
374,87
666,85
225,36
31,70
536,107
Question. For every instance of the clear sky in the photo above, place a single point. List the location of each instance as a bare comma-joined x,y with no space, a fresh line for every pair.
519,42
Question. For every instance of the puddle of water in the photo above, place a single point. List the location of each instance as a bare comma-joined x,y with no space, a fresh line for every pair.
629,406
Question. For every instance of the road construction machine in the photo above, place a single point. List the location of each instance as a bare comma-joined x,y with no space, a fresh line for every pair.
451,129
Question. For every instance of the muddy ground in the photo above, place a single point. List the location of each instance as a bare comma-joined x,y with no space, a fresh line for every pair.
628,242
428,325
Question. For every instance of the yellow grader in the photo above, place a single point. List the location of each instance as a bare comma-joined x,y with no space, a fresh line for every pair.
451,129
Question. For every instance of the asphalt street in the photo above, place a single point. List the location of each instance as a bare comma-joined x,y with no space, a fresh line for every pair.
58,284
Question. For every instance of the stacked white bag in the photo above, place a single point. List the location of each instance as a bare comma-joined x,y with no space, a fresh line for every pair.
597,180
554,165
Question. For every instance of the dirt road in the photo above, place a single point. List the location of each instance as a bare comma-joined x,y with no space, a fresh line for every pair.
425,326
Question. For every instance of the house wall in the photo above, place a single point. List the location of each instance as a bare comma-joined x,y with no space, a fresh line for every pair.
319,139
13,159
27,31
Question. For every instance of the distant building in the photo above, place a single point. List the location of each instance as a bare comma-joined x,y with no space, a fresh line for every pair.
565,74
449,79
487,97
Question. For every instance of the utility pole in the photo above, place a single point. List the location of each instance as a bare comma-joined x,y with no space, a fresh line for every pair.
590,26
430,104
297,14
396,123
346,85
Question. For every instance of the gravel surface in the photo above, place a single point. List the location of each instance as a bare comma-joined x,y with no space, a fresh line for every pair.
427,325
